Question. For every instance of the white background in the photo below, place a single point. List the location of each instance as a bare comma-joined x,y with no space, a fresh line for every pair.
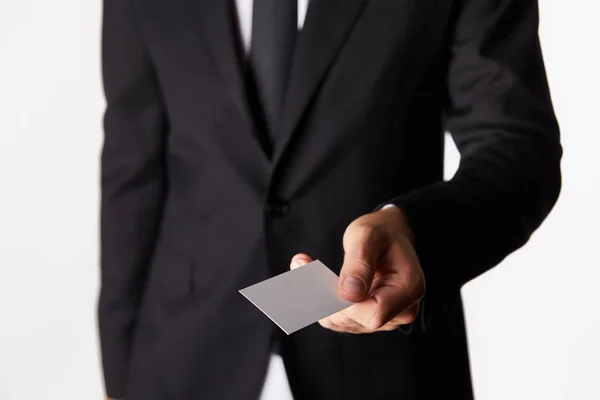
533,322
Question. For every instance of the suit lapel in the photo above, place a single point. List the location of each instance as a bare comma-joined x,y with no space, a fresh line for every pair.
220,33
327,26
218,21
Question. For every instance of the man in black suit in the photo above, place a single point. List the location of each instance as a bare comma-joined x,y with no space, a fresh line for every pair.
235,140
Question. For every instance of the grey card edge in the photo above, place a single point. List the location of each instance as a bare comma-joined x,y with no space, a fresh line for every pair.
264,313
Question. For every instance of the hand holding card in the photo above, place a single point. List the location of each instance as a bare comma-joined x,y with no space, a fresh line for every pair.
381,273
379,289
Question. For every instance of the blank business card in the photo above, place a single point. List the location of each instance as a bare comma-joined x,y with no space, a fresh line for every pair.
298,298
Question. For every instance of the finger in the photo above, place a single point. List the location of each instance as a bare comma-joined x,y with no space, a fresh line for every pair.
363,245
395,294
342,322
363,313
328,324
407,317
374,316
299,260
347,324
339,322
402,290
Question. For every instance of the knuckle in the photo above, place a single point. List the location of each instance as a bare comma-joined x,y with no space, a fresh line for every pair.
413,313
407,317
362,231
360,258
338,319
364,331
387,327
328,324
419,285
410,316
376,322
414,283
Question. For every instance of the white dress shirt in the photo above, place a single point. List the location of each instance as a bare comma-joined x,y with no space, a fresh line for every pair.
244,13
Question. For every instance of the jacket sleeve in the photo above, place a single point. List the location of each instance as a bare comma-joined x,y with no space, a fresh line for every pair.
132,185
500,115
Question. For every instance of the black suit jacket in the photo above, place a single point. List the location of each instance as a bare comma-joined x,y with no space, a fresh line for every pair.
196,204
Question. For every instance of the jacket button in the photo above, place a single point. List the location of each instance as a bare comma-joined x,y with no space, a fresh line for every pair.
277,208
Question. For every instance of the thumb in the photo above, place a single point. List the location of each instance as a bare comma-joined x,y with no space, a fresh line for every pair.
363,246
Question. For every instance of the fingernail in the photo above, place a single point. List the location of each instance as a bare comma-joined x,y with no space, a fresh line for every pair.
353,285
297,263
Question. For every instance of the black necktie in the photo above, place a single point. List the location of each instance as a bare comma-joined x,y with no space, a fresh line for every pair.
274,30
